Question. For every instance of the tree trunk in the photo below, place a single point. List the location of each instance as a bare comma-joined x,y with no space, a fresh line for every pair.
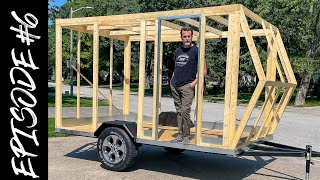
148,72
302,93
147,82
318,90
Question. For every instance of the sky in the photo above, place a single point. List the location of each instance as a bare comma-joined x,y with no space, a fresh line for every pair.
57,3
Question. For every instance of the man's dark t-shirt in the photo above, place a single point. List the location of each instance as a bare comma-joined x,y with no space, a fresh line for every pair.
186,63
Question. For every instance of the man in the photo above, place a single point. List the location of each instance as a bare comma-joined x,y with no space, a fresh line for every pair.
183,83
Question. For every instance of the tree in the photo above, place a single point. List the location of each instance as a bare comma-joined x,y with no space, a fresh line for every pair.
298,22
53,13
101,8
313,43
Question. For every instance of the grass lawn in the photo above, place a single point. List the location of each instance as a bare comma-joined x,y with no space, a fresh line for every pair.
71,101
244,98
310,101
51,129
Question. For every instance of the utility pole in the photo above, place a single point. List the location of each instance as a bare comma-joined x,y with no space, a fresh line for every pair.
71,54
71,45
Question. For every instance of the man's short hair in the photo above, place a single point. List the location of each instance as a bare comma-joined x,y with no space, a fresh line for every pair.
186,29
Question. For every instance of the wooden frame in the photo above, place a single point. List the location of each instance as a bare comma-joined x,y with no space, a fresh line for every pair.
145,27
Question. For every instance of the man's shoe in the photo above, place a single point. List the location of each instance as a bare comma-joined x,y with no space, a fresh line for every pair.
178,139
186,139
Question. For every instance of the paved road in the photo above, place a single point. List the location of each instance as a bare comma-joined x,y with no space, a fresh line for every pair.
75,157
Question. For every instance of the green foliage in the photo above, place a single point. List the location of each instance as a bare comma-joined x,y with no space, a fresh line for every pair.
51,89
305,66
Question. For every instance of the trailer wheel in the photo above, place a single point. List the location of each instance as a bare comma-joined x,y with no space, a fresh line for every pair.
116,150
174,150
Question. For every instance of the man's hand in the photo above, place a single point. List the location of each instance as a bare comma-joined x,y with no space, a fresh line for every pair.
193,84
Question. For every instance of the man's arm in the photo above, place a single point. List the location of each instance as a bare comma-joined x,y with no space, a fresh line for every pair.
193,83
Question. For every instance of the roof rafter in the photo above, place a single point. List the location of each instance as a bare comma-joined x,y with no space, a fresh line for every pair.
196,24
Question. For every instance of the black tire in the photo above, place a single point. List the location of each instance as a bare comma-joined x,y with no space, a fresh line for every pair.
116,150
174,150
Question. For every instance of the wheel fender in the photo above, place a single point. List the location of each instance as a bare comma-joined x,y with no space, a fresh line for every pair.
129,127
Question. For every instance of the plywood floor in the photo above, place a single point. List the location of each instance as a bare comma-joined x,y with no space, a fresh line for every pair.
165,133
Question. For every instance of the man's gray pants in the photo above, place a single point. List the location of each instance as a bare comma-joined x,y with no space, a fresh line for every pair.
183,97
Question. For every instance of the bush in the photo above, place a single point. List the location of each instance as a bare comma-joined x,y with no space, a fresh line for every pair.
214,90
51,89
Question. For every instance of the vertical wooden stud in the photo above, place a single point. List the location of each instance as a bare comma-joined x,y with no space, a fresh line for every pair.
78,73
155,82
232,69
142,64
160,77
111,77
95,76
200,79
126,79
58,103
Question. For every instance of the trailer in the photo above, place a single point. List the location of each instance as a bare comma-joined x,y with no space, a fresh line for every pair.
121,132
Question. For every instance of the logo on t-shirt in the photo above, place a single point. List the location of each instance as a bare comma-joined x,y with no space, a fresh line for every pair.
182,59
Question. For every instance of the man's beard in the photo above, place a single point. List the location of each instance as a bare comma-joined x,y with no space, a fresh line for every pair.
187,43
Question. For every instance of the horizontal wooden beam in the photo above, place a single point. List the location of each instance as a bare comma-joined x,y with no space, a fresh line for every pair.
122,32
81,28
103,27
132,26
103,33
151,28
165,32
209,35
149,33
